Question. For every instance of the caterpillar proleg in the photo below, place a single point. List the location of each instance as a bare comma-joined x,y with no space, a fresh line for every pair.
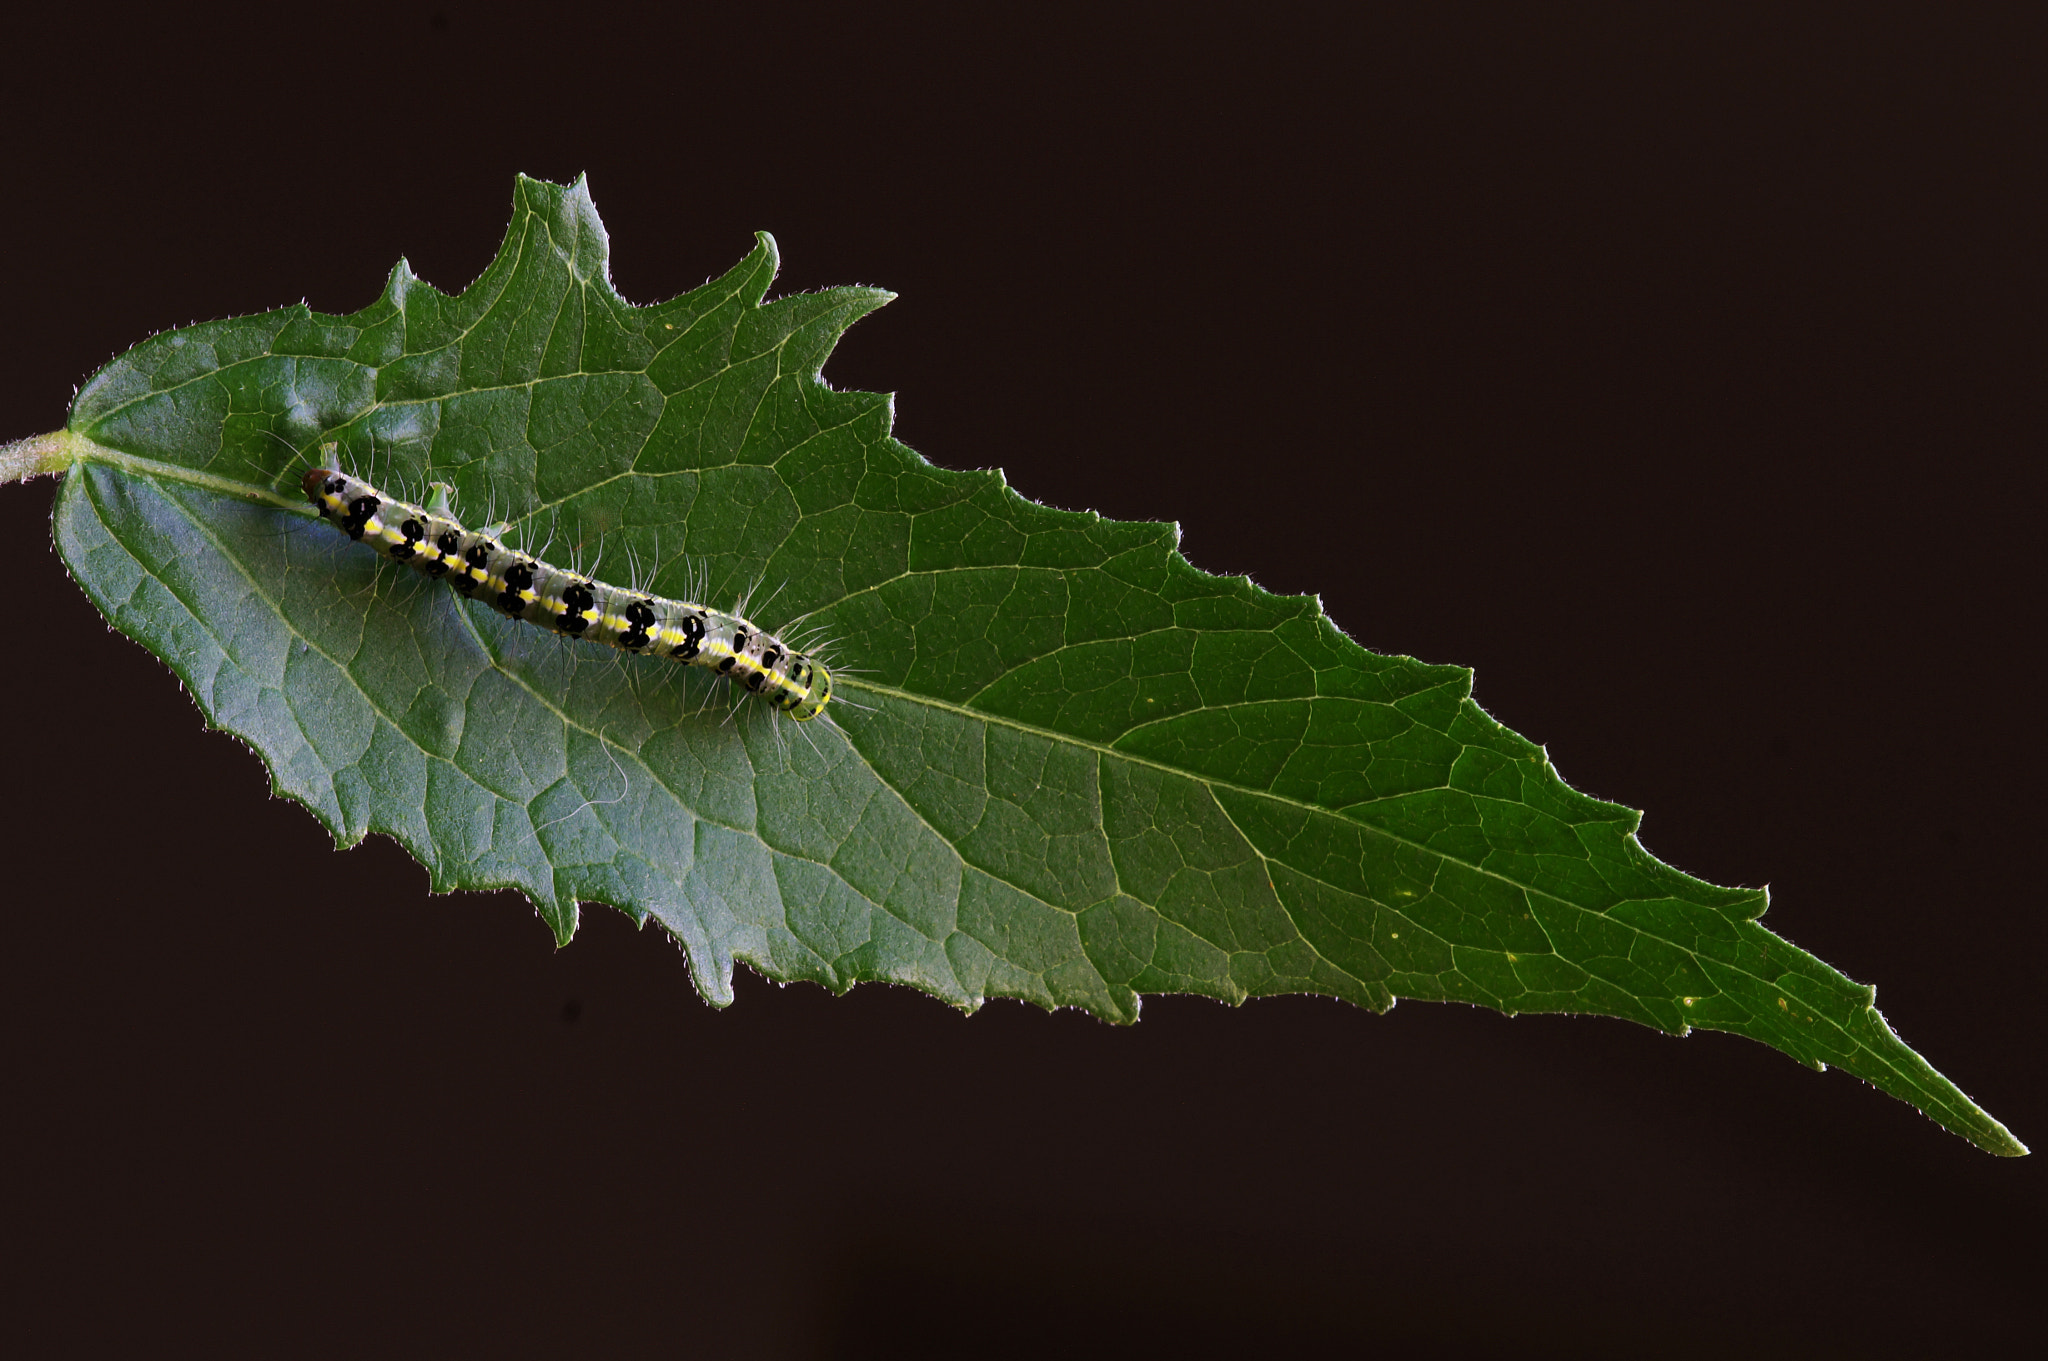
523,587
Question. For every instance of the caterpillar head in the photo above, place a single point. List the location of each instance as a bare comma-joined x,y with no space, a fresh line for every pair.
326,489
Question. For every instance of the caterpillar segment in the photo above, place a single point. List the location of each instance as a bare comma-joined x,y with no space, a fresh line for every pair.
523,587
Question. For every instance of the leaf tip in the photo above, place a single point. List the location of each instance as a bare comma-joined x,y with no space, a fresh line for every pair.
1762,904
399,282
562,919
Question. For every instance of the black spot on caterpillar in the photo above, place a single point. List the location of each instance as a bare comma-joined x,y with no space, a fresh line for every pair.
523,587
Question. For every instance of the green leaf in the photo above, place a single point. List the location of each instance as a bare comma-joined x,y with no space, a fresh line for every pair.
1071,768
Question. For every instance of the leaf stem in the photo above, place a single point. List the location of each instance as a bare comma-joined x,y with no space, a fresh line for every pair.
41,455
54,453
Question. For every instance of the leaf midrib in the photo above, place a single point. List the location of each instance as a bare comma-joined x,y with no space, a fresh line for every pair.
248,491
156,469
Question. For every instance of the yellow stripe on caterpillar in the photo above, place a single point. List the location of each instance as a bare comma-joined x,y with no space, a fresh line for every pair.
433,542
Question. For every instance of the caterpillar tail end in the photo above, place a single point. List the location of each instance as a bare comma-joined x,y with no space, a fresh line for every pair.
815,696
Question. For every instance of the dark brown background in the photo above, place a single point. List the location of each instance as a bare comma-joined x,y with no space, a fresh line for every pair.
1679,368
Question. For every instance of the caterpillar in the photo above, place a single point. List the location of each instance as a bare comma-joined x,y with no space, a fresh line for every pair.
523,587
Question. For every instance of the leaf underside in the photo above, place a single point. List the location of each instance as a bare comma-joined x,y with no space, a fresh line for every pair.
1080,770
